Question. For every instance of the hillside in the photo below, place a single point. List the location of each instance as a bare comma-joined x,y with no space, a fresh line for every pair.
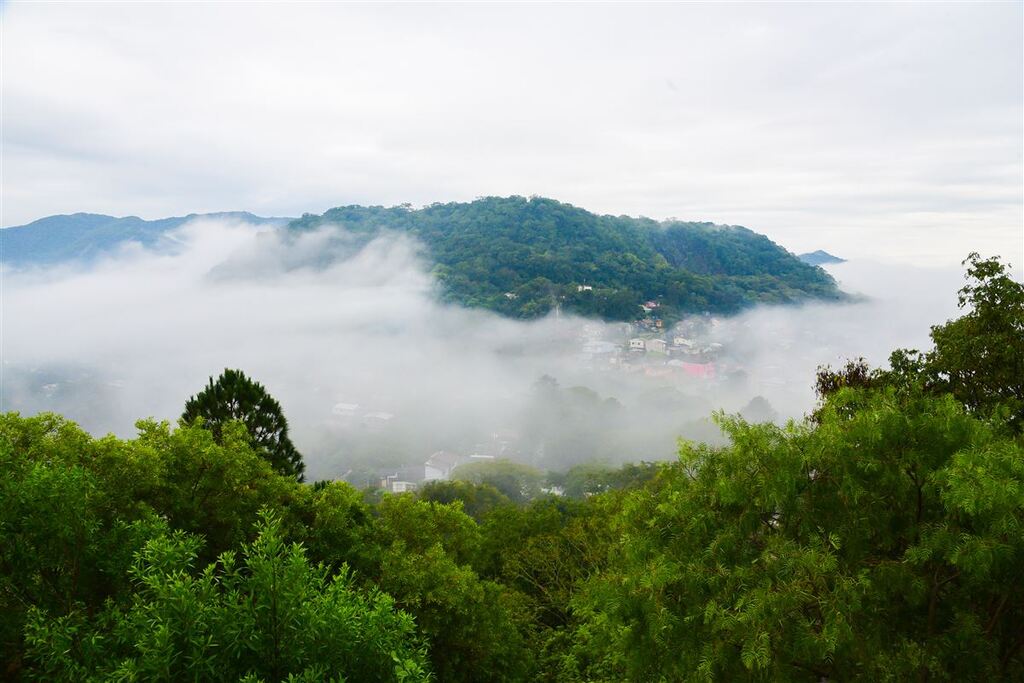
83,236
521,257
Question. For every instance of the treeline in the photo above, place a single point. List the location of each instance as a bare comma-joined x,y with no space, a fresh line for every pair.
522,257
880,539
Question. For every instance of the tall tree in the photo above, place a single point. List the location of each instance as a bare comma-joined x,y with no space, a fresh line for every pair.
233,396
979,357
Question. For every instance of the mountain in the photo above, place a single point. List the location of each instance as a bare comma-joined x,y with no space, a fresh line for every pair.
523,257
83,236
820,258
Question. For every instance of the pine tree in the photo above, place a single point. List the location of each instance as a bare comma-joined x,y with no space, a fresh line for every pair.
233,396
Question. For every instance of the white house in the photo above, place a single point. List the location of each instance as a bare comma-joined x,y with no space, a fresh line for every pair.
392,484
637,343
440,465
658,345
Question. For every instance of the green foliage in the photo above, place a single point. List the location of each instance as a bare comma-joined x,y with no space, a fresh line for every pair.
73,509
523,257
589,479
477,499
335,524
64,542
269,617
881,545
233,396
979,357
474,626
514,480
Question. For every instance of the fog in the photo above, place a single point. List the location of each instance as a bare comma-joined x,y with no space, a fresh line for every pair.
373,372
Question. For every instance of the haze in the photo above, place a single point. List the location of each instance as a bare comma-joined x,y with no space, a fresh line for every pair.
372,371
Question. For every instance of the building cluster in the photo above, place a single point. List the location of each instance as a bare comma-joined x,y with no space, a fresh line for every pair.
684,352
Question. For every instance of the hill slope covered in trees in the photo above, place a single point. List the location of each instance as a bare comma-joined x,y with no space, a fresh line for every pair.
522,257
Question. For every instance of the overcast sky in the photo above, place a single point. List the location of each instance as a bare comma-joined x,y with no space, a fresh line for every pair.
885,131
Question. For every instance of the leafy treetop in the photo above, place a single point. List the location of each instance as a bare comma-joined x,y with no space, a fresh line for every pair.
233,396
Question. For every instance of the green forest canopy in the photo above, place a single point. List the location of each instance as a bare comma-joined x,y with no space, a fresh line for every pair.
521,257
882,538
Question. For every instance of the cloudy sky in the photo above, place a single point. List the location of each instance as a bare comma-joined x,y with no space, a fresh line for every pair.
893,132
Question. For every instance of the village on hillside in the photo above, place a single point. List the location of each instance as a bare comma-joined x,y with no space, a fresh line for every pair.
683,352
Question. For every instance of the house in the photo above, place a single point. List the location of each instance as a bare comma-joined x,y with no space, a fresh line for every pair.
637,343
440,465
392,483
584,288
657,345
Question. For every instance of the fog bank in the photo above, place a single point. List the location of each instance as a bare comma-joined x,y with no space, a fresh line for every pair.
373,372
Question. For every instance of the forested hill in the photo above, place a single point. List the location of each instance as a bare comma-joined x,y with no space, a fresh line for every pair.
521,257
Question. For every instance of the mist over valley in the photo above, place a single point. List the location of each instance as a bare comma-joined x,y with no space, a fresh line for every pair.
375,371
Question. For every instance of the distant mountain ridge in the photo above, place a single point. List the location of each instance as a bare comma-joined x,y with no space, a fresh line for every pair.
820,258
83,236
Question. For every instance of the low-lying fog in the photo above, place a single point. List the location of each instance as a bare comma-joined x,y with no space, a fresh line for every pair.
372,372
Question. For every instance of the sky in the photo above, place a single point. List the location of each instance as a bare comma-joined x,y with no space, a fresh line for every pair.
885,131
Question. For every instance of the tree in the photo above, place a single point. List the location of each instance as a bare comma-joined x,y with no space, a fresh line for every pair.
477,499
474,626
233,396
272,616
516,481
883,543
979,357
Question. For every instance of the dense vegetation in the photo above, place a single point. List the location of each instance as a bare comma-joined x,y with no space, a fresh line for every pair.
522,257
880,539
